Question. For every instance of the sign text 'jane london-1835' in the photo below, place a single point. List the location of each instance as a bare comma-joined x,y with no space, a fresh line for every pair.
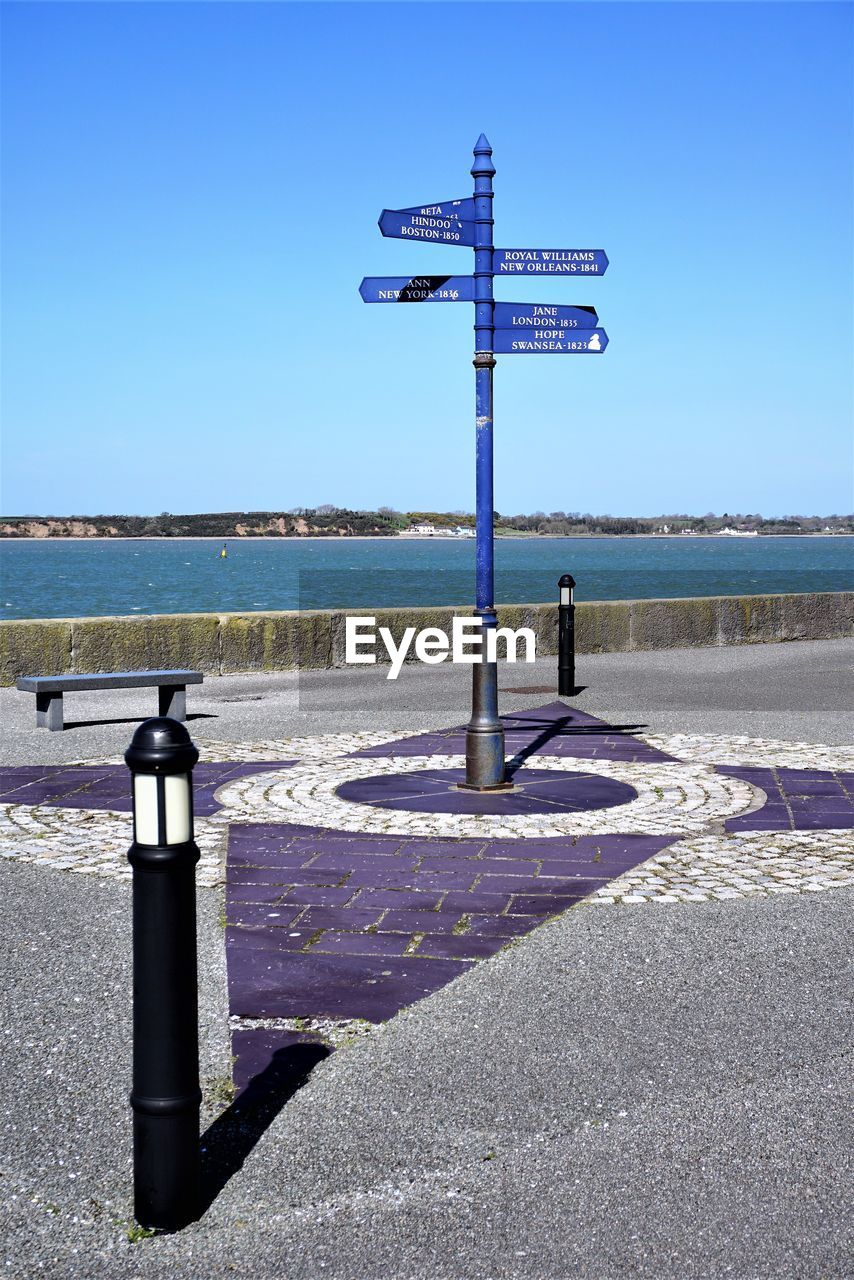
524,316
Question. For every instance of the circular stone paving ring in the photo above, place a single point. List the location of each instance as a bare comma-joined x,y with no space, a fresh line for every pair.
659,799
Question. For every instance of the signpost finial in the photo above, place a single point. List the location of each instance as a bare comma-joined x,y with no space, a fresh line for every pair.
482,157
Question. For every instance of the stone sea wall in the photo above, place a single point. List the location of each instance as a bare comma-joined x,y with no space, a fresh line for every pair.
221,643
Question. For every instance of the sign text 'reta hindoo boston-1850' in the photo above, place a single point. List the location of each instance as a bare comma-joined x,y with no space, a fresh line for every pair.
508,328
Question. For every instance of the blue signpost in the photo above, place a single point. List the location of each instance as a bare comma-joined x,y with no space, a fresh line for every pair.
484,732
504,327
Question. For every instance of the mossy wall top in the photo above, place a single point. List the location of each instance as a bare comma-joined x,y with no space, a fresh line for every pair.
231,642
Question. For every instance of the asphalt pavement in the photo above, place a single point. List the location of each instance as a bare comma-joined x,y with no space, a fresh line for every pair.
661,1091
654,1092
801,691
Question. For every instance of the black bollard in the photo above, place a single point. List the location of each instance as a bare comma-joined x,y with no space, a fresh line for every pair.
165,1096
566,635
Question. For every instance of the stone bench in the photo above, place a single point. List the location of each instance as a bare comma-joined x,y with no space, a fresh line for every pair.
171,690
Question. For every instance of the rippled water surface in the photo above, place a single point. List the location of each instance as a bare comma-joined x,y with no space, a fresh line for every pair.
54,579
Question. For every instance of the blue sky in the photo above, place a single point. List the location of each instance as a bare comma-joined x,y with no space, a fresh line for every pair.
190,199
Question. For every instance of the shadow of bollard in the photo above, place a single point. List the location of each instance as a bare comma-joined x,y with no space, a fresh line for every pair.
231,1137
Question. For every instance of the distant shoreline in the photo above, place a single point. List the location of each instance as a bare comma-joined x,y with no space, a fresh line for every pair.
417,537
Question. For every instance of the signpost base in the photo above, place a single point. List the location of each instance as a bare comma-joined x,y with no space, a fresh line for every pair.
485,732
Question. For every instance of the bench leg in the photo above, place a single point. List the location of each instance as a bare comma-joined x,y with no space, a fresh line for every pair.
172,701
49,711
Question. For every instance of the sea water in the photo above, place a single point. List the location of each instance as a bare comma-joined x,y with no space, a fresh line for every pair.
94,577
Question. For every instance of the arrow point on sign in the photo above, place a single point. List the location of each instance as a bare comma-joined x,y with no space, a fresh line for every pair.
605,260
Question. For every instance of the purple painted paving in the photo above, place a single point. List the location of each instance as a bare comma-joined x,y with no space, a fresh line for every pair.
553,729
325,923
106,786
331,925
328,924
535,791
798,799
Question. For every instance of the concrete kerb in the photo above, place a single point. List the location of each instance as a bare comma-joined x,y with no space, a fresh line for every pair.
226,643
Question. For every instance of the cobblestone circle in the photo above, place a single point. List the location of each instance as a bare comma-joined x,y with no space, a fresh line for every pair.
747,865
751,752
95,842
671,799
687,799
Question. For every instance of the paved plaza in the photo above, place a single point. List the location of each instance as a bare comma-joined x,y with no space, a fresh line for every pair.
433,1020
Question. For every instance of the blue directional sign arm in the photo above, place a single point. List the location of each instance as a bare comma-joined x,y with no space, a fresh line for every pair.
526,317
417,289
550,262
446,209
402,225
551,342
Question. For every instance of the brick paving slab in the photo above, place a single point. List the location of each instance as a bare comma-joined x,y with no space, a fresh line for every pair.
107,786
269,985
252,914
553,729
408,915
268,1062
798,799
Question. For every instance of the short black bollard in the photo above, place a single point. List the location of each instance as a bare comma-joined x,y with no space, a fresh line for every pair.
566,635
166,1096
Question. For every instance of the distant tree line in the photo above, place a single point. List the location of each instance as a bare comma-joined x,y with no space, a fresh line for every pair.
325,521
328,520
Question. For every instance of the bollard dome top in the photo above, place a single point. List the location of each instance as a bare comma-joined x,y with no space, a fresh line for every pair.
566,581
161,745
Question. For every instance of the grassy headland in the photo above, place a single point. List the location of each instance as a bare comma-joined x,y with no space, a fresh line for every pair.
330,521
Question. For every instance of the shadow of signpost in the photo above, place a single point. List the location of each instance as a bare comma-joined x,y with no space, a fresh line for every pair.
563,727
